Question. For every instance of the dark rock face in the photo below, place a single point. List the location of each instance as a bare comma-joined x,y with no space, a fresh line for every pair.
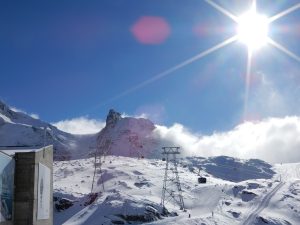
150,214
62,204
2,106
2,122
253,186
91,199
112,117
227,203
127,136
248,195
236,189
5,110
234,214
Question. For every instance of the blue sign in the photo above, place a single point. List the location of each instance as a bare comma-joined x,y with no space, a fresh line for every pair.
6,186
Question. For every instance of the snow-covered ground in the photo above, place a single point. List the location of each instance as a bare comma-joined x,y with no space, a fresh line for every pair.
133,187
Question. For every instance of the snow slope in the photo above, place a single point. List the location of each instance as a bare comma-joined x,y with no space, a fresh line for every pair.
20,129
133,192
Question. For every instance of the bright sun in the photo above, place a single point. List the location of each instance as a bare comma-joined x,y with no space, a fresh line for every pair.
253,29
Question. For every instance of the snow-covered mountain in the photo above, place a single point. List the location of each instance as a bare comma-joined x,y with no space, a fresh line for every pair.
18,129
127,136
121,136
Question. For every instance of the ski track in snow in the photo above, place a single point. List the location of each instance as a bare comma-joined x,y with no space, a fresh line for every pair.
264,204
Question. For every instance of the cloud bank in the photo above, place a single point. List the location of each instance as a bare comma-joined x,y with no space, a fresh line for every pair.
274,140
80,125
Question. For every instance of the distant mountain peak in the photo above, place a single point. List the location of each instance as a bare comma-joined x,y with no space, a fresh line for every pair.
127,136
3,107
113,117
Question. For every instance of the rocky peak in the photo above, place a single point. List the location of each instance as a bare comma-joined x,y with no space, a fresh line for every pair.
4,109
113,117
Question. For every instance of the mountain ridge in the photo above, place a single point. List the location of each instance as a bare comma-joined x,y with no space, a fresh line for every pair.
128,136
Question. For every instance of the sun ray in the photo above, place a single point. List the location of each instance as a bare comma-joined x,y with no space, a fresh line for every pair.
173,69
215,48
247,82
283,49
284,13
222,10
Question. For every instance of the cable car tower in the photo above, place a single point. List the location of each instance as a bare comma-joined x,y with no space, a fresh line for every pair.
102,150
171,185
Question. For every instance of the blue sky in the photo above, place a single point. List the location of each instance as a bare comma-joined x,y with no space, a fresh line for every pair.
66,59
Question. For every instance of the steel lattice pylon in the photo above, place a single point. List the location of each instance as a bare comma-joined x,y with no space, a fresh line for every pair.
102,150
171,185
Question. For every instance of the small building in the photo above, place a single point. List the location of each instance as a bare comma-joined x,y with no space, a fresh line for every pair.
26,186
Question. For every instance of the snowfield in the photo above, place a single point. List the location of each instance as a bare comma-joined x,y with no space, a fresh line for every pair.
133,187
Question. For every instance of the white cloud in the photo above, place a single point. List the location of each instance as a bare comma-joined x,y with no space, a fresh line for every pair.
17,110
154,112
80,125
33,115
273,140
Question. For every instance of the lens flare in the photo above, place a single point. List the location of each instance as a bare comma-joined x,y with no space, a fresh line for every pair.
252,30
